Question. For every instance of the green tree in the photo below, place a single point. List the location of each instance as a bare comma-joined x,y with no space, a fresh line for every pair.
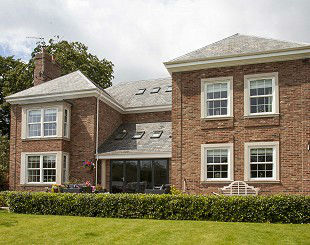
4,162
74,56
15,76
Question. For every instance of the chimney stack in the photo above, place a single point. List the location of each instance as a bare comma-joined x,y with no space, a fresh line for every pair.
45,68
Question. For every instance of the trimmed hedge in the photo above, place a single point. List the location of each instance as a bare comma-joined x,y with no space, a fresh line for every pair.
274,209
3,198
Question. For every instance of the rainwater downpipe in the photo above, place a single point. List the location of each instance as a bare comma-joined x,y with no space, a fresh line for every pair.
97,138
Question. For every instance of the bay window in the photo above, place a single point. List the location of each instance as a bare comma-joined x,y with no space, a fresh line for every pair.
46,121
44,168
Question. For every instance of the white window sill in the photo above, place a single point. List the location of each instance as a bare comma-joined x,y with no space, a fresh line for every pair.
39,184
263,181
262,115
216,181
216,118
46,138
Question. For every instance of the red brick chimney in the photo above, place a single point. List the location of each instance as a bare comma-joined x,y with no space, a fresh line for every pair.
45,68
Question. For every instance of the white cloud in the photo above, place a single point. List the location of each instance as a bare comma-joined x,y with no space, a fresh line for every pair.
137,36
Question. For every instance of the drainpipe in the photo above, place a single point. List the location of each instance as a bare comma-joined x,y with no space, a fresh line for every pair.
97,139
15,143
181,164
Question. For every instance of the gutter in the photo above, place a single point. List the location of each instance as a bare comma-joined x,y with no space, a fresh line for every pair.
233,60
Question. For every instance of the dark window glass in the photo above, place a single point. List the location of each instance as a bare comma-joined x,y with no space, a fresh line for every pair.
160,172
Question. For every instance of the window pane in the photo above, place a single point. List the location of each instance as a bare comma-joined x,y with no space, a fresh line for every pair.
49,161
210,88
49,175
210,112
215,167
34,130
217,103
160,172
217,111
33,161
33,175
223,111
50,115
253,91
210,104
223,94
210,95
49,129
146,174
34,116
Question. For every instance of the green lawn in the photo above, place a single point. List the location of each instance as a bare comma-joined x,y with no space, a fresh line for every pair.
39,229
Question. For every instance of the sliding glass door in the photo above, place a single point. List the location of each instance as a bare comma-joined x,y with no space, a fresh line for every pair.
137,175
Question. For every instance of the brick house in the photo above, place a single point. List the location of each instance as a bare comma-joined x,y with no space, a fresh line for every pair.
237,109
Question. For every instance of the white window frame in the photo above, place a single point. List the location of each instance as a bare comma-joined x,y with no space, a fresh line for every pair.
42,122
65,179
230,162
60,107
66,124
41,168
275,93
59,165
255,145
204,83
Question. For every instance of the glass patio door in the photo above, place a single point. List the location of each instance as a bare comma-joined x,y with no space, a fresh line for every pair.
137,175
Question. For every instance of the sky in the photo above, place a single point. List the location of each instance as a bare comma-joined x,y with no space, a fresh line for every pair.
139,35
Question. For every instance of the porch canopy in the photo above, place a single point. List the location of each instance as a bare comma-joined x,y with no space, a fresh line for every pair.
138,155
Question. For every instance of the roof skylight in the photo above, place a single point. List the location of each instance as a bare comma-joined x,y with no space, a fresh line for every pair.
156,134
138,135
155,90
141,91
121,135
169,88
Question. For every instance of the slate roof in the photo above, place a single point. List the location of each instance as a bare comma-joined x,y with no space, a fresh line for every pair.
72,82
237,44
145,144
125,93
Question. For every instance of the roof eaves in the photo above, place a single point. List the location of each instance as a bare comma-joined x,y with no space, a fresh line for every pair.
235,55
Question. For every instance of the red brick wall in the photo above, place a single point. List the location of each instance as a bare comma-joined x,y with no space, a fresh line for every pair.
291,128
109,121
46,68
164,116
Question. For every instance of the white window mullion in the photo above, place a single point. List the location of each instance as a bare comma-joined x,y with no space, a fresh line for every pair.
42,122
41,169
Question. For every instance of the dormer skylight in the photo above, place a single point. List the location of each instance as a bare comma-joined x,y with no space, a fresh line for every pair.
141,91
155,90
156,134
121,135
138,135
169,88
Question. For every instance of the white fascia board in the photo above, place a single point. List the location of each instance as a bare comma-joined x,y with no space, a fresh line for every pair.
238,60
134,155
96,92
51,97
